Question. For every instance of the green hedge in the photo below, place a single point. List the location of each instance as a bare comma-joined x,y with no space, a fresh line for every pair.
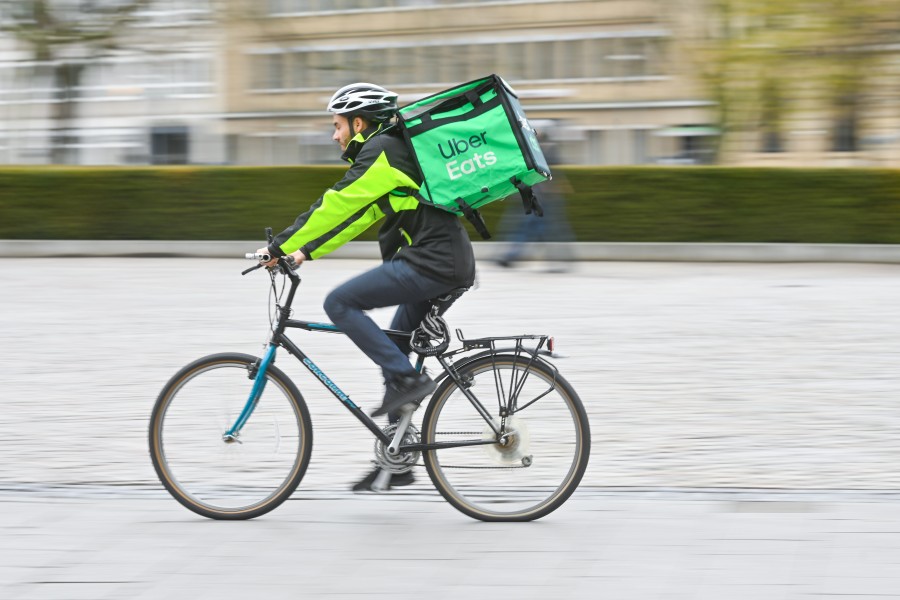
630,204
174,203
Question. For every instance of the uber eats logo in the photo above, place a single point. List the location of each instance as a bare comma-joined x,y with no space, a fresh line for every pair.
458,149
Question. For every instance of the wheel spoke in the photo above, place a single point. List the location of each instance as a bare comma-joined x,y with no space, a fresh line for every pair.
538,460
220,477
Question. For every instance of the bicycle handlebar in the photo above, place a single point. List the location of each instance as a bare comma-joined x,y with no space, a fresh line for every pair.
285,263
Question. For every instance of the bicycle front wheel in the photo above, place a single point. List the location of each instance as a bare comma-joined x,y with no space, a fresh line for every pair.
536,461
221,477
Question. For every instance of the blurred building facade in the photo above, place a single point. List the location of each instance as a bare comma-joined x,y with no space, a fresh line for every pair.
600,71
152,97
615,82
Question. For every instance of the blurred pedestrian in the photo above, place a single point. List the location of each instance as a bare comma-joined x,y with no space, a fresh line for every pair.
520,230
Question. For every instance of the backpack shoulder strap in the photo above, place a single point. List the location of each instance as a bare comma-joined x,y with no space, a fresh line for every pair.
408,191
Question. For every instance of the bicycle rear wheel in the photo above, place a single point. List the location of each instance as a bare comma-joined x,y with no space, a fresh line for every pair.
542,459
221,478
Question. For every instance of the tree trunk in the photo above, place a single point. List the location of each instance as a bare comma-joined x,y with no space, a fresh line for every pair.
63,138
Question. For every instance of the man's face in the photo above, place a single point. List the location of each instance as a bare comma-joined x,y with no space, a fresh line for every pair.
342,132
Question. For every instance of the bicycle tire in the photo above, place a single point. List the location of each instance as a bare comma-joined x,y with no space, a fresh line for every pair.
220,384
522,492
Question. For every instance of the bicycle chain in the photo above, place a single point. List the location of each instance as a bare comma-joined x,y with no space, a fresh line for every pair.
462,467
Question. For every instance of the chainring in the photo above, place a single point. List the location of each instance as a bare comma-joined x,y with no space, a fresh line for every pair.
403,462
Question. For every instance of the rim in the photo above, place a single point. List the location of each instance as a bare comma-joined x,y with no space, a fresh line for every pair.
529,472
218,476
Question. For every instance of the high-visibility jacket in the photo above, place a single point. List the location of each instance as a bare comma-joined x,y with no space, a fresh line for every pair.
432,241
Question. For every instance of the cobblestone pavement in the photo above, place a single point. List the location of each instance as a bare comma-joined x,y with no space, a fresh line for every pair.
694,375
744,420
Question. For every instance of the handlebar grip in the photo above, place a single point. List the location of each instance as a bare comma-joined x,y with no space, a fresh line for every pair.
285,263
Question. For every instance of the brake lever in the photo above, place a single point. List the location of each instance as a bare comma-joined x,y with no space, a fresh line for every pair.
260,257
285,265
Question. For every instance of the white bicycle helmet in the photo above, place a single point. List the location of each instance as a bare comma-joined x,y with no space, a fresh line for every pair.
367,100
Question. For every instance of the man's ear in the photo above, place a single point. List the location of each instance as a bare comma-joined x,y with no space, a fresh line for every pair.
358,125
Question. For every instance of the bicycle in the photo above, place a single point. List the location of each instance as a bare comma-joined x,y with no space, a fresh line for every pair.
504,437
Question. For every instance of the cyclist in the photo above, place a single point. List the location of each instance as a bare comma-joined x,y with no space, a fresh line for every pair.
426,252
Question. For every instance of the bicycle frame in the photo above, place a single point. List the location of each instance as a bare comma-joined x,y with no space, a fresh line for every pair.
280,339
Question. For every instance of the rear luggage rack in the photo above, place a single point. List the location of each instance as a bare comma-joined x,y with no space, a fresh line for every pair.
490,343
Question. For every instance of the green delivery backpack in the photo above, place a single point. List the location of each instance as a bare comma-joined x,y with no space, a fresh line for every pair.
473,145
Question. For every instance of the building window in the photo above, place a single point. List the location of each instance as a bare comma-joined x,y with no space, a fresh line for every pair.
169,145
698,149
299,69
628,57
772,108
277,7
639,138
262,72
595,63
544,66
275,72
845,134
771,141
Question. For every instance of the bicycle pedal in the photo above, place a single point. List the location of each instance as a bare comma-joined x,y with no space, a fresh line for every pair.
382,482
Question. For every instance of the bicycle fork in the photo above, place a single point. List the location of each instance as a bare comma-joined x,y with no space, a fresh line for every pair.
259,383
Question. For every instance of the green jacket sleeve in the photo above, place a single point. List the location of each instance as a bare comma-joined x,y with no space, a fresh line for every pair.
347,209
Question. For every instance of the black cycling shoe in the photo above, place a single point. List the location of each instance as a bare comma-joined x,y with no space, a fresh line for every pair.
402,479
407,389
396,480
